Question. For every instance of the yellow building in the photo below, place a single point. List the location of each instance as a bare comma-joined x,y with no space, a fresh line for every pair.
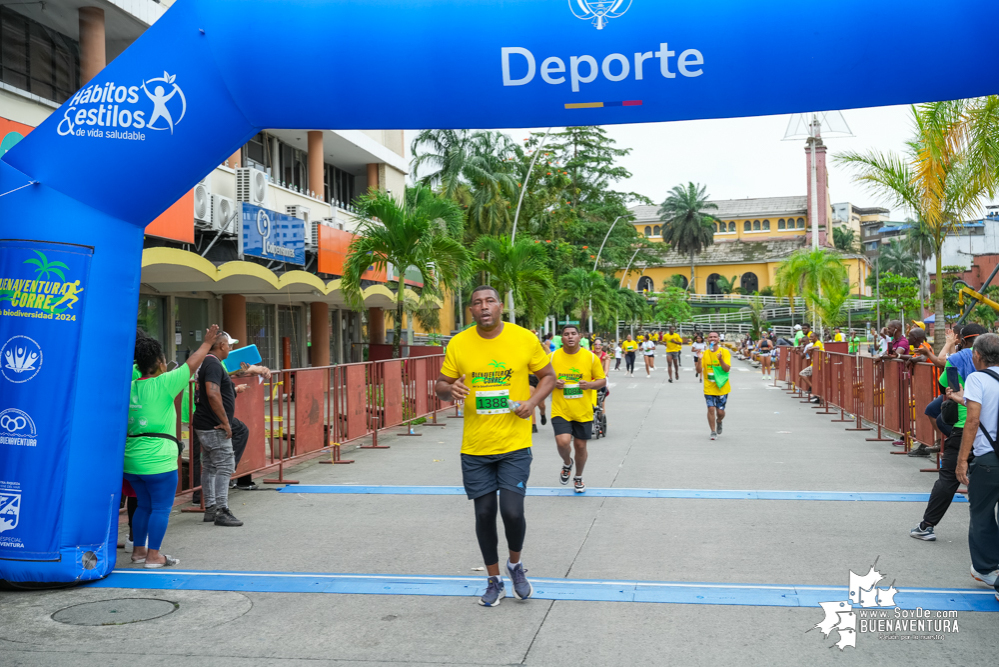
751,240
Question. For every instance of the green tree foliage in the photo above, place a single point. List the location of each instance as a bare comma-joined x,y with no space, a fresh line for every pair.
520,267
899,295
673,306
844,240
896,257
687,227
811,274
584,288
950,164
726,286
422,233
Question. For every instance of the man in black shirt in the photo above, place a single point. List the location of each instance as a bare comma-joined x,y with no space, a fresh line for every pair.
216,426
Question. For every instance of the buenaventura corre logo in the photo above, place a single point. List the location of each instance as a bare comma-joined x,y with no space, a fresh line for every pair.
110,111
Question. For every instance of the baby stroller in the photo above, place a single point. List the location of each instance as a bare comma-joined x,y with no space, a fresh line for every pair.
599,416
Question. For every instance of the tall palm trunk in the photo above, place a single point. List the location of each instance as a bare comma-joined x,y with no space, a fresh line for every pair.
397,338
691,285
939,318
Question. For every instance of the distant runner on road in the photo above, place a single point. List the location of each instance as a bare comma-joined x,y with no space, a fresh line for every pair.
716,363
674,344
579,373
486,367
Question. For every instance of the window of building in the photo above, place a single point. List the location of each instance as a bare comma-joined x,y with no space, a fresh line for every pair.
731,227
153,317
683,280
750,283
648,232
37,59
747,226
766,225
339,185
290,333
260,331
258,150
712,286
801,223
294,172
645,284
756,225
655,231
780,224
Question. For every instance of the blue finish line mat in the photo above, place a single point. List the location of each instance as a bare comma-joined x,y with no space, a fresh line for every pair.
589,590
702,494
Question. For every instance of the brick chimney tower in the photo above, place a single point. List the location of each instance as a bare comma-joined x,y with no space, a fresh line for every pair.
823,205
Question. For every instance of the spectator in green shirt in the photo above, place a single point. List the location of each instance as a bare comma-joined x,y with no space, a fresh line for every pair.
854,342
151,449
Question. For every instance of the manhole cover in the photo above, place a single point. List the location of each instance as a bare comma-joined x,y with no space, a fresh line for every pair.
115,612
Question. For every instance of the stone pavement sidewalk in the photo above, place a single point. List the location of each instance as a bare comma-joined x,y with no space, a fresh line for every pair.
658,439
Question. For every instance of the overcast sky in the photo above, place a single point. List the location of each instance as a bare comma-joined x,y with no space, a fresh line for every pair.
746,157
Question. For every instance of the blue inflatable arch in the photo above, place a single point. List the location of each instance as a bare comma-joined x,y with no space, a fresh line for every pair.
79,190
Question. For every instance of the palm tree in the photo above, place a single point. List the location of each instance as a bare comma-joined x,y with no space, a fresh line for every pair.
895,257
811,273
686,226
519,268
844,239
587,288
948,166
423,233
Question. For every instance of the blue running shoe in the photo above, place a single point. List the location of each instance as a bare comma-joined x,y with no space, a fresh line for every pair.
926,534
494,593
522,588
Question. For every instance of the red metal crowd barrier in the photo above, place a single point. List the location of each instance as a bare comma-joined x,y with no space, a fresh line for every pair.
890,395
300,413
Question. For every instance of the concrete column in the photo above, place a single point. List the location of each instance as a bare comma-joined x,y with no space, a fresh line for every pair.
320,328
234,317
376,326
316,163
373,183
93,54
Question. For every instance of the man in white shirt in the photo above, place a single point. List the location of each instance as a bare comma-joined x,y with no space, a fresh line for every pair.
981,429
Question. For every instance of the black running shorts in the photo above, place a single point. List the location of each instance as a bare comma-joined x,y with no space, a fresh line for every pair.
487,474
579,430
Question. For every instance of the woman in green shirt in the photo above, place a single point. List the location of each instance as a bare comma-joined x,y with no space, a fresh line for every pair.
150,451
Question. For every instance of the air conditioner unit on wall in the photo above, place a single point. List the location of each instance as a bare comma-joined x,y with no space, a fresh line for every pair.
251,186
203,203
224,215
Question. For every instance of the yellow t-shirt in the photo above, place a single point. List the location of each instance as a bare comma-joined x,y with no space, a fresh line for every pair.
674,342
572,403
496,372
838,338
629,346
709,360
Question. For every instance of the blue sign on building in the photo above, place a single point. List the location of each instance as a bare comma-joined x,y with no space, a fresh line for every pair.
271,235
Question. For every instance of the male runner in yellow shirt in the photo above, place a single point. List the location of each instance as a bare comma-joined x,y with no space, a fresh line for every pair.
716,358
495,359
578,374
674,343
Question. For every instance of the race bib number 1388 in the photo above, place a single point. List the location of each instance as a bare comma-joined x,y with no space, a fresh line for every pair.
492,402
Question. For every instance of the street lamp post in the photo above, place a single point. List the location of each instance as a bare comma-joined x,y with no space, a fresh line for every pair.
516,216
617,327
597,260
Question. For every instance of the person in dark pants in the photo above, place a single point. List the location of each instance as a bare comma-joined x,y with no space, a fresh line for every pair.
947,483
240,437
981,398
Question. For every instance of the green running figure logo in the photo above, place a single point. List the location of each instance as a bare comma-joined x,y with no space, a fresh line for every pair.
49,291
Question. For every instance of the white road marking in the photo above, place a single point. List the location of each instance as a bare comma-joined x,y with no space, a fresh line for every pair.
632,386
